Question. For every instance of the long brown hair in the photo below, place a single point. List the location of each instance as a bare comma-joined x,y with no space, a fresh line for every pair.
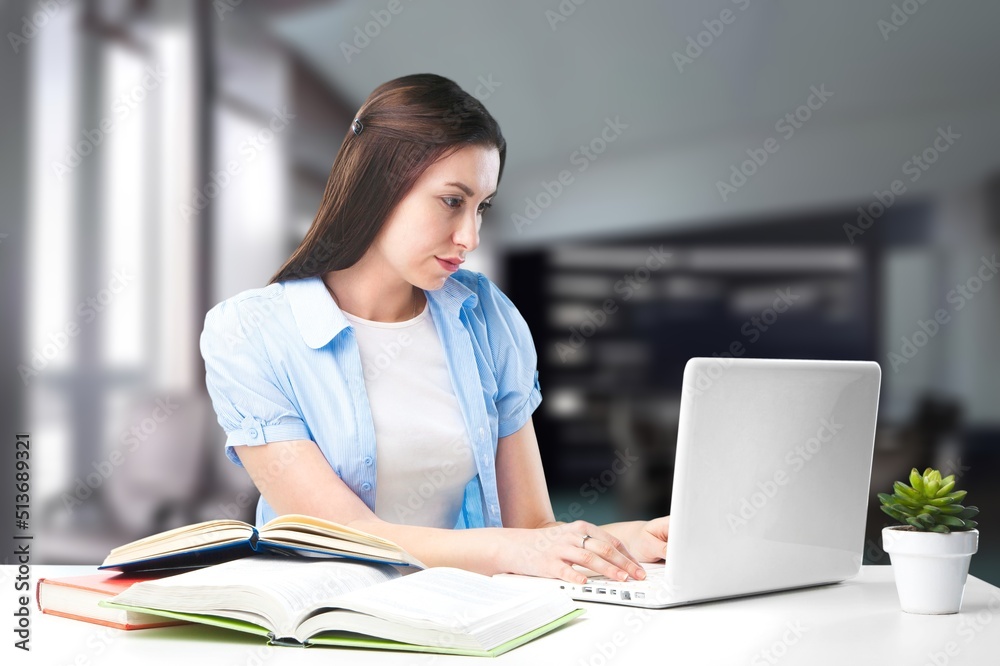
407,124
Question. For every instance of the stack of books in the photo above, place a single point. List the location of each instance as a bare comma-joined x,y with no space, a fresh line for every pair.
302,581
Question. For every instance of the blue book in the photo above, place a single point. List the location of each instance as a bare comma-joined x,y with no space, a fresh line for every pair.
216,541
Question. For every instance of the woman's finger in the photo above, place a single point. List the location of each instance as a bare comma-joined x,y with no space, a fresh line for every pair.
601,557
619,545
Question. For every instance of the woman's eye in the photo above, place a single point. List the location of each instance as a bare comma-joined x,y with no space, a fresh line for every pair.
456,202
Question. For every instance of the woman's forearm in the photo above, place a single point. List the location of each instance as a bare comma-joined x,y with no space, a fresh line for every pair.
548,550
476,550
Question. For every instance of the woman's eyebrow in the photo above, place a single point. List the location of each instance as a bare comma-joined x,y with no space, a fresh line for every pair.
468,190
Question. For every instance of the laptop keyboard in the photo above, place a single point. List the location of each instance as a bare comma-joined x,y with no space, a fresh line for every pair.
652,574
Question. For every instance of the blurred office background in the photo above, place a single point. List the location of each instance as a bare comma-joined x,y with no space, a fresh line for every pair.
672,168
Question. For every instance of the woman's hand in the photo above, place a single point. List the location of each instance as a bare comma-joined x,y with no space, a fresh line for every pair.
551,551
648,539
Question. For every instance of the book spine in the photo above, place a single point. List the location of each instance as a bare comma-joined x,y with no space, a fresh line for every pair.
115,625
38,592
254,538
284,641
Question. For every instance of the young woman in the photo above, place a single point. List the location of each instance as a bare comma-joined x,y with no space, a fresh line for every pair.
375,383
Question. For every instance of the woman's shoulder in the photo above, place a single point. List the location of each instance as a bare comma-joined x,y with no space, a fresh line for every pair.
250,307
492,305
488,294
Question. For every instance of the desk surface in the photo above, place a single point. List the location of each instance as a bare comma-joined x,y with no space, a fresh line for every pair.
857,621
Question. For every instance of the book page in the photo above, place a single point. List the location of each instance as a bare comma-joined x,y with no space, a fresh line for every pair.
283,591
295,529
316,525
181,538
441,597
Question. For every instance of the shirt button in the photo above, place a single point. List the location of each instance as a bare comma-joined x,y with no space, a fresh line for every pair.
368,460
482,432
366,486
253,433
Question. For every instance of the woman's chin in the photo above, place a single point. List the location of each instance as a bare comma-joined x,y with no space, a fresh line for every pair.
430,283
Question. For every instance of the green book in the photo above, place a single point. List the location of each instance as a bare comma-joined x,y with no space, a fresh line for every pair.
306,603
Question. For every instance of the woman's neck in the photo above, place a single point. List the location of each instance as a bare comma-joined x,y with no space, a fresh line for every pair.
374,295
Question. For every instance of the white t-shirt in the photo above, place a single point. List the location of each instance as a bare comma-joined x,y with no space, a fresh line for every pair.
424,456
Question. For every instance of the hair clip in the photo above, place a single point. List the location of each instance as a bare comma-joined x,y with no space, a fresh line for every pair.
357,126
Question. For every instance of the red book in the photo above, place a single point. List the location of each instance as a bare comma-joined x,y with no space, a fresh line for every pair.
76,597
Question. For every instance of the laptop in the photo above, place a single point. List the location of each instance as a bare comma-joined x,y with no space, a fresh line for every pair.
771,482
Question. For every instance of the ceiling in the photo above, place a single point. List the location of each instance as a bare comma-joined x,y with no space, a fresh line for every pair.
560,81
557,85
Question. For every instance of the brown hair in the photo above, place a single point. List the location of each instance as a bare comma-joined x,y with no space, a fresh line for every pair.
408,124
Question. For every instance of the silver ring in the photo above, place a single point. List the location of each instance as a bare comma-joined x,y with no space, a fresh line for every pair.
583,544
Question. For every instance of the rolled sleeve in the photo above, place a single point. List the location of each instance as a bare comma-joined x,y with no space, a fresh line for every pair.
515,420
518,392
249,402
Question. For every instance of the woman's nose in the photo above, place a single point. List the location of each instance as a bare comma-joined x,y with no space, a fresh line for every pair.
467,234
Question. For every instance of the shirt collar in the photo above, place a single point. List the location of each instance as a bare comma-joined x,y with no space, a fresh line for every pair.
319,320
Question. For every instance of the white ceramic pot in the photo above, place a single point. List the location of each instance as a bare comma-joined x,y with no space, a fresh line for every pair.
930,568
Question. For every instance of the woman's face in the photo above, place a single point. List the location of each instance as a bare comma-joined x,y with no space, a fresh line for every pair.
437,223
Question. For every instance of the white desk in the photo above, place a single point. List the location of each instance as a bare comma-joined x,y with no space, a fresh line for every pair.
858,621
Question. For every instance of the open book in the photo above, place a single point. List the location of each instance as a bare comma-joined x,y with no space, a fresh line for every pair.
342,603
216,541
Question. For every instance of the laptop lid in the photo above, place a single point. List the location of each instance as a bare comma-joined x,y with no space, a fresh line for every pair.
771,477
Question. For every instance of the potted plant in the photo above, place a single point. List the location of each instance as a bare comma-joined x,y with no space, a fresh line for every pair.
931,550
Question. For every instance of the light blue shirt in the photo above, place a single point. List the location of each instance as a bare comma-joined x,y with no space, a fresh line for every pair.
282,363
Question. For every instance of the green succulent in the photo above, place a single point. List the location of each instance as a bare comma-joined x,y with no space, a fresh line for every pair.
929,503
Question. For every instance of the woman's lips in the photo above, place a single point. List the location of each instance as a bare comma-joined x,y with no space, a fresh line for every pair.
447,265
